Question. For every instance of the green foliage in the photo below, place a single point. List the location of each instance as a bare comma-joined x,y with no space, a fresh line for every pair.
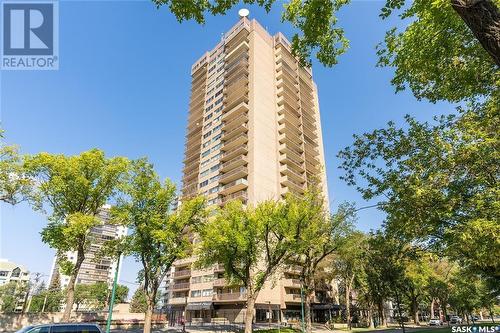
139,303
75,188
436,55
158,236
121,293
51,298
438,183
14,185
11,295
92,296
315,19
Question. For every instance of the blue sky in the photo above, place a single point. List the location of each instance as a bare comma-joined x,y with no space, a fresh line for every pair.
123,86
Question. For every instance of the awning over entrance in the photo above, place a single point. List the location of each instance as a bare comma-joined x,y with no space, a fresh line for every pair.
326,306
200,306
265,306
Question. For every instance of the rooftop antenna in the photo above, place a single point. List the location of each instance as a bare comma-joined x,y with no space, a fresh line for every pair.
243,12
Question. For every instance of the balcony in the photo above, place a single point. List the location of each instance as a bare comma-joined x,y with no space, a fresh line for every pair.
180,286
233,142
177,300
240,195
235,162
234,174
292,283
234,186
238,129
295,186
235,111
243,47
296,176
295,165
182,274
230,154
292,298
230,297
235,122
220,282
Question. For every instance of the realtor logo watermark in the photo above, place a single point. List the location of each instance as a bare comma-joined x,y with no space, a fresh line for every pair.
30,35
475,329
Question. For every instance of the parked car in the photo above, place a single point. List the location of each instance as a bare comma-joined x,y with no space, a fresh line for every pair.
435,322
61,328
455,320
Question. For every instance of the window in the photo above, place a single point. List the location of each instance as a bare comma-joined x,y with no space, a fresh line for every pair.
209,116
39,330
16,272
213,190
204,183
217,137
205,162
74,329
195,293
207,292
204,173
205,153
4,273
214,148
214,178
206,135
215,167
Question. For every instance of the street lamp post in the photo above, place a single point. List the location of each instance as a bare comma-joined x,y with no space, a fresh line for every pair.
113,293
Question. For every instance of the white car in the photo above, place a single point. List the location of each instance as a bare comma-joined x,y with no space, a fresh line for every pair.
435,322
455,320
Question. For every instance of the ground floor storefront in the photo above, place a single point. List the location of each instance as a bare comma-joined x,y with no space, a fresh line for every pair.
208,312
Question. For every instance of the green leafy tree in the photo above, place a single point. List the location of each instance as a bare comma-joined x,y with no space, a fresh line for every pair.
14,185
316,19
251,243
450,49
92,296
74,188
437,183
121,293
437,55
139,302
319,238
417,273
386,260
158,236
348,264
12,295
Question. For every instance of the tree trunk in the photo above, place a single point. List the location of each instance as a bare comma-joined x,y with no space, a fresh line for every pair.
398,305
414,305
432,309
483,19
307,310
249,313
148,316
370,316
70,290
348,304
381,313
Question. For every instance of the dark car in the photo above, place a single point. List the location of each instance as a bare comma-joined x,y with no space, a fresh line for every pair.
61,328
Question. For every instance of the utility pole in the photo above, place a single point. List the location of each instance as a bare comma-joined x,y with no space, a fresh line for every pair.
113,293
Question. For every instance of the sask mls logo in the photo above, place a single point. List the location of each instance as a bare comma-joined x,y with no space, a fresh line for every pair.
30,35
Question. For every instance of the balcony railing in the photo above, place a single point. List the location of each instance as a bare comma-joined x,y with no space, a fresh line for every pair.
180,286
230,297
183,273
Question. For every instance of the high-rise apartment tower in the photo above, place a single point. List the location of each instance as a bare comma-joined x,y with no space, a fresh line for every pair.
253,134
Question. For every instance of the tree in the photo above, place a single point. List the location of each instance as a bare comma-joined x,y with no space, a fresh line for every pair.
386,262
74,188
437,55
14,185
139,302
319,238
158,236
93,296
251,243
12,294
437,183
315,19
348,263
449,50
121,293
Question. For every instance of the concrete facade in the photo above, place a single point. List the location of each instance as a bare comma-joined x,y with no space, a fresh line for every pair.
253,134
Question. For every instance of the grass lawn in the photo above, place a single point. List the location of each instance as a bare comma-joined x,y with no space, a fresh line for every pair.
275,330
